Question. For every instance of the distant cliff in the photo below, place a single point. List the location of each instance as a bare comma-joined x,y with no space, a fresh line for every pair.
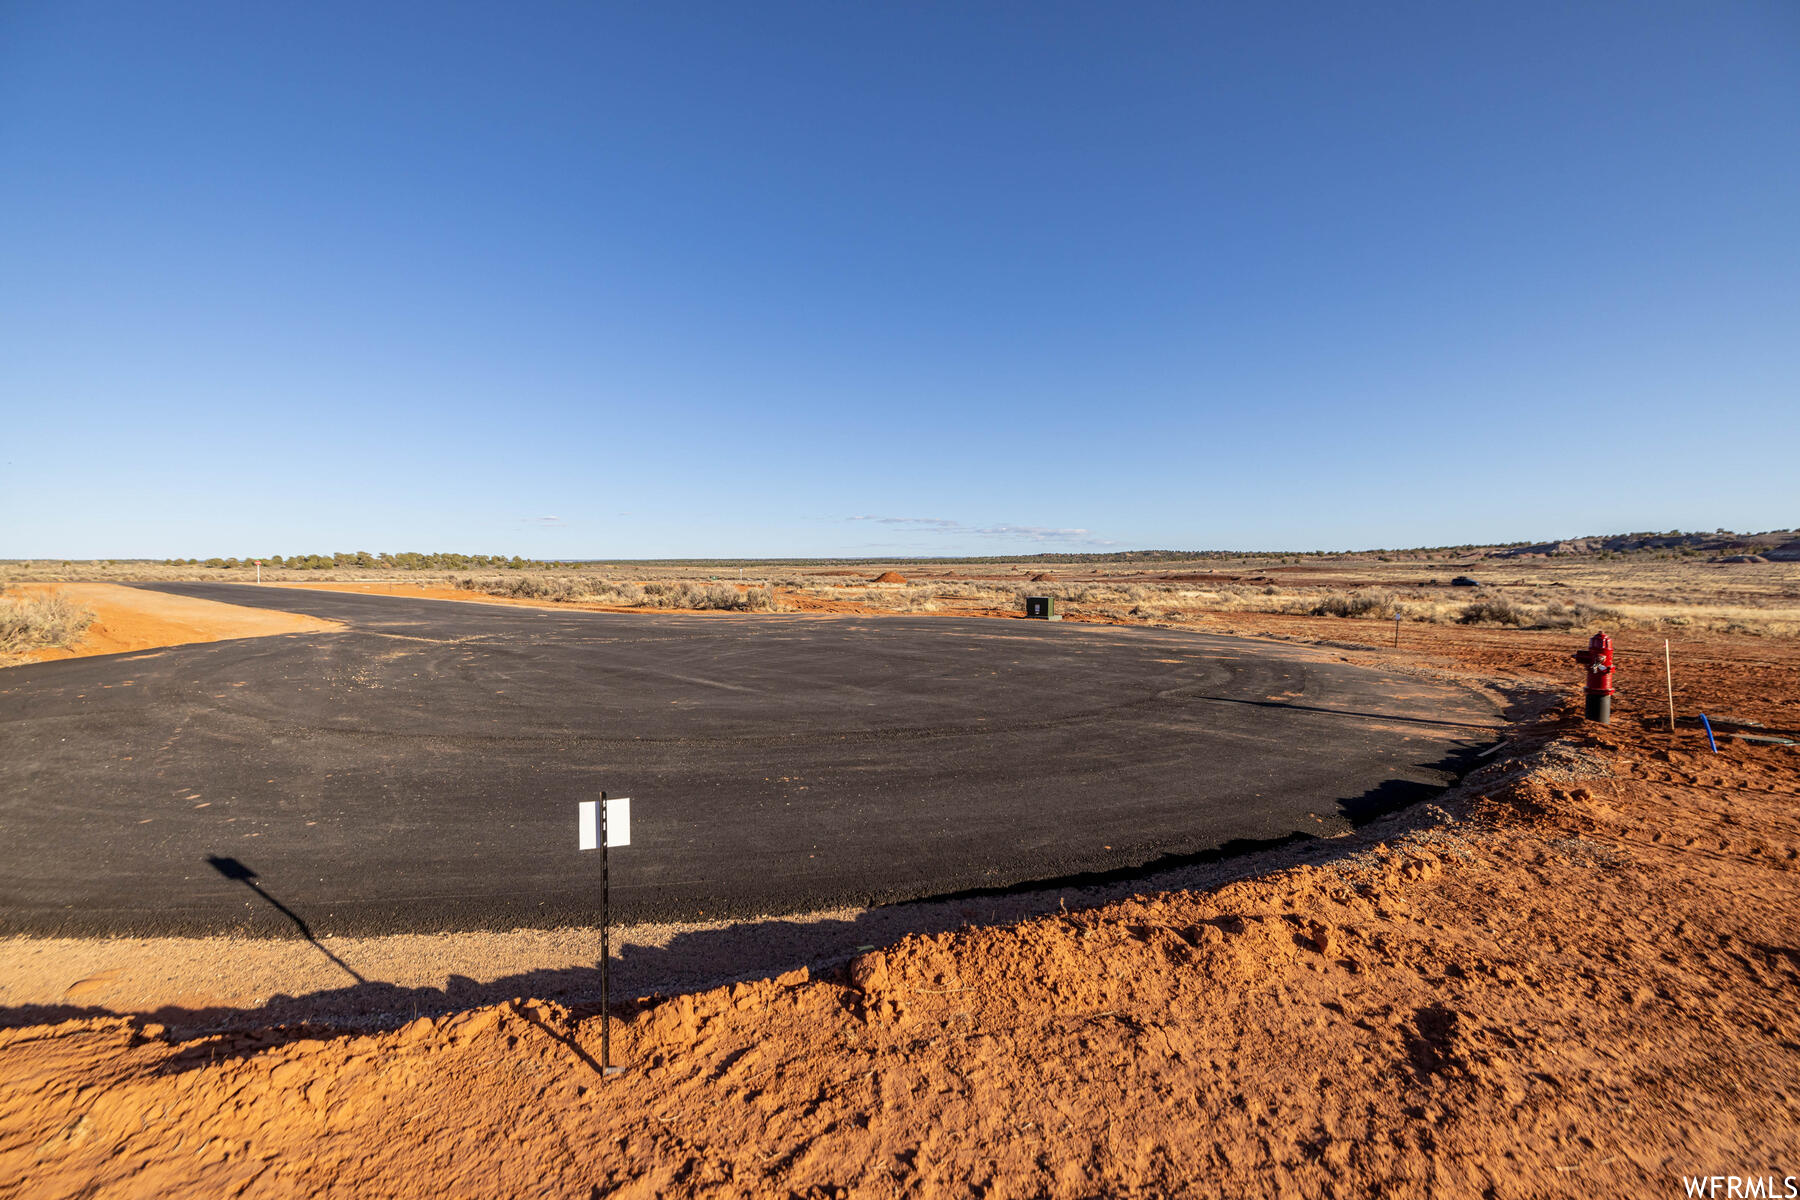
1777,545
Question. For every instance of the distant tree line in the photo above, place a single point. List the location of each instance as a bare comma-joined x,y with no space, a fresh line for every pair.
361,559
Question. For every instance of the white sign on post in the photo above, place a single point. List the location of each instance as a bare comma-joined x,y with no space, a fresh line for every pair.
618,822
616,817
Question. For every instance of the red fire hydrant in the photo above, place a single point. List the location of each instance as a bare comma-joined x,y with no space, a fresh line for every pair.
1598,658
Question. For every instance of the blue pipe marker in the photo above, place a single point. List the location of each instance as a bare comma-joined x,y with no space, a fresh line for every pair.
1709,737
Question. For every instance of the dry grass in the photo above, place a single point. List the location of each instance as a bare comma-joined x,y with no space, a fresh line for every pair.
582,589
1166,603
30,623
1570,593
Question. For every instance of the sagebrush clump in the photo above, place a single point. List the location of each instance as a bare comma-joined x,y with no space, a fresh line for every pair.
1355,604
35,622
1496,610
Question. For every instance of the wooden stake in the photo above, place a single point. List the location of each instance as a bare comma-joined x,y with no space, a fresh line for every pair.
1669,678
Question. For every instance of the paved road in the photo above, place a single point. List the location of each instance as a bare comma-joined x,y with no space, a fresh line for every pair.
421,770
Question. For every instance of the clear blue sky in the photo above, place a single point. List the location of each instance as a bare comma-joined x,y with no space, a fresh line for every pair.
642,280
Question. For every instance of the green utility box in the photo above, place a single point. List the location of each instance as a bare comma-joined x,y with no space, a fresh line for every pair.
1041,607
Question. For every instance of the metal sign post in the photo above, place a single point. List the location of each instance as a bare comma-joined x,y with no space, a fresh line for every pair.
600,825
606,1063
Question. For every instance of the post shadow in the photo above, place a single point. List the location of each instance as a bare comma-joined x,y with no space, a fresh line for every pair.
231,868
531,1018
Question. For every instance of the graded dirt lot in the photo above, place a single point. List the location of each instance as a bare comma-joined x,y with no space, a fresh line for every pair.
1573,975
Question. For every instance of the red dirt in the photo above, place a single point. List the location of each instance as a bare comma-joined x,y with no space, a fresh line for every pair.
805,603
130,619
889,577
1574,976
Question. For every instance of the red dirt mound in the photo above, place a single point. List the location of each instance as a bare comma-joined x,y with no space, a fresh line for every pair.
1043,577
889,577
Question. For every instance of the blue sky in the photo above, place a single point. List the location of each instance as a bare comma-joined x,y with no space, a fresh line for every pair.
593,280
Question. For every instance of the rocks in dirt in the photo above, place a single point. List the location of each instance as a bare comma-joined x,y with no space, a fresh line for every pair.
1321,938
467,1026
869,972
674,1023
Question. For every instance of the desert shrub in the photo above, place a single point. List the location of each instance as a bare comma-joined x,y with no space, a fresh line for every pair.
33,622
526,587
625,595
1575,615
1354,604
760,599
682,593
531,588
1495,610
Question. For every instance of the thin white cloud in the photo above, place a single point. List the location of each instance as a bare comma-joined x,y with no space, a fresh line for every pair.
1044,534
927,522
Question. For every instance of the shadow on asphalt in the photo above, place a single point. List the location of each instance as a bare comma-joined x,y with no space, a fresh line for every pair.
1378,718
234,870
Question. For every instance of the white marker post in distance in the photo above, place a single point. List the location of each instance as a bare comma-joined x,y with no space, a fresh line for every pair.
600,824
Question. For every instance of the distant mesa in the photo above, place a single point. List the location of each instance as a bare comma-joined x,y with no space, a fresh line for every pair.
1778,545
889,577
